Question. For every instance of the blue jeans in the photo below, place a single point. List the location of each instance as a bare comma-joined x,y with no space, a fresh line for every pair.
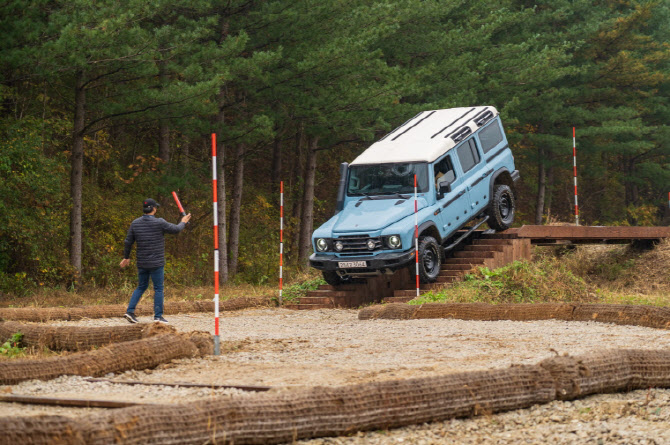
156,276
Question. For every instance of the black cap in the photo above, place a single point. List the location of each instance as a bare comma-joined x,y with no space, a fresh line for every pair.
149,204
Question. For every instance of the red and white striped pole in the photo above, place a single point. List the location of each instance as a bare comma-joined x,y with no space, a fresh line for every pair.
281,239
574,165
416,235
215,201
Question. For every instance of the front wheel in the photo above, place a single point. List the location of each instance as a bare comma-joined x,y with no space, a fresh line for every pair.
502,207
430,259
334,279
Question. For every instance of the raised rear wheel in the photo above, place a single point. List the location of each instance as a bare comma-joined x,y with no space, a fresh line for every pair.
502,207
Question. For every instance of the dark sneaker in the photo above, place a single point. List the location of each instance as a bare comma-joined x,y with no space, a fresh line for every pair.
160,320
130,317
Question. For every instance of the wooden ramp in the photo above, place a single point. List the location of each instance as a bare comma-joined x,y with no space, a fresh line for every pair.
490,250
589,234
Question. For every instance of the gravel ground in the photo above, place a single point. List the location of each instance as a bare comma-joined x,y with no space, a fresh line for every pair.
289,349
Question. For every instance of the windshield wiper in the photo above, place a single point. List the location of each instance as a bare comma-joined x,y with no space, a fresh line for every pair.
395,195
369,196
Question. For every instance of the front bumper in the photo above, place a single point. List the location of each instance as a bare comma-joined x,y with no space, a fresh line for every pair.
383,262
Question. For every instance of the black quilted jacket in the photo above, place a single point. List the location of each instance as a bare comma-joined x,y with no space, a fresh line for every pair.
148,231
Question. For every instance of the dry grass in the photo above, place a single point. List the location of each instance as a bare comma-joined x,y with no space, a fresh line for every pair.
545,280
620,273
85,296
34,352
92,296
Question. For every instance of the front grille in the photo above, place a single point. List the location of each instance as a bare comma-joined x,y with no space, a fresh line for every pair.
358,244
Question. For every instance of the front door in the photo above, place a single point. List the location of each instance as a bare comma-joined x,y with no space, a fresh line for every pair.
453,206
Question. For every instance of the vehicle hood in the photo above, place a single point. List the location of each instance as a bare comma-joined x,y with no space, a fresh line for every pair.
369,215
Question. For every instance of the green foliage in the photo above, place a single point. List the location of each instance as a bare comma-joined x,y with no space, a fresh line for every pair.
12,348
32,228
288,72
295,291
544,281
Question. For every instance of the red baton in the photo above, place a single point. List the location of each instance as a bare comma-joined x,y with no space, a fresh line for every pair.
181,209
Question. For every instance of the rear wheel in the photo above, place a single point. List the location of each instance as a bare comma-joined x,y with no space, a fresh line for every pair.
501,210
430,259
334,279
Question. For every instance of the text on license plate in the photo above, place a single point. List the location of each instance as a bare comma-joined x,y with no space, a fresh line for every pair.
350,264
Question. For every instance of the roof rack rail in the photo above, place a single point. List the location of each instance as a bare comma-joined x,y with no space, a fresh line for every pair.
454,121
429,115
398,128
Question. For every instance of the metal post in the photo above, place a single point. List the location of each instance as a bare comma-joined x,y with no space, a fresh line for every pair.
217,344
281,239
416,235
574,165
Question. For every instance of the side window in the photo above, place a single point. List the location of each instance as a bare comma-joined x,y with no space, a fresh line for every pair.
490,136
444,172
468,155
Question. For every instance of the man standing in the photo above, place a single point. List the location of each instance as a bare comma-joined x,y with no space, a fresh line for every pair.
148,231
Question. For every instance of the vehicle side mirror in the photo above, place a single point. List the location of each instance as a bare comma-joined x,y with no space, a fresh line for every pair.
445,187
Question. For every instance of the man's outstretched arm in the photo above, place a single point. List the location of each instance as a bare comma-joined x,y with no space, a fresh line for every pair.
176,228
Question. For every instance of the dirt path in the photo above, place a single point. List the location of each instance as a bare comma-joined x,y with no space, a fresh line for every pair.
289,349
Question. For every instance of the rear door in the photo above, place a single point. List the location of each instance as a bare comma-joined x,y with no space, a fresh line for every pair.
475,171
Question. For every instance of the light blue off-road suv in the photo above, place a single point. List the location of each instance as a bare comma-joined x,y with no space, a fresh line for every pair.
465,177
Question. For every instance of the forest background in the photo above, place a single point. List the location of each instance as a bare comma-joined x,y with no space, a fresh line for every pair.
106,103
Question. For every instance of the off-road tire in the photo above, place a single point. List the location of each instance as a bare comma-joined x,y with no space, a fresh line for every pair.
430,259
334,279
502,208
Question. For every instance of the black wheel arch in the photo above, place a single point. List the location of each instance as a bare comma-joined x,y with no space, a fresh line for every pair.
501,176
429,228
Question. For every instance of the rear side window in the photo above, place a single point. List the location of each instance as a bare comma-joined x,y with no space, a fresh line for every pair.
468,155
490,136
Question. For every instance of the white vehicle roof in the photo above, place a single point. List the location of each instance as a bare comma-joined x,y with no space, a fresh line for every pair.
426,136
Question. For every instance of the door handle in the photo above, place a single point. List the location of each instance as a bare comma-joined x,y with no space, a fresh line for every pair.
480,179
461,193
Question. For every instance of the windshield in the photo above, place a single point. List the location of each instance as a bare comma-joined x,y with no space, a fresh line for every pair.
386,179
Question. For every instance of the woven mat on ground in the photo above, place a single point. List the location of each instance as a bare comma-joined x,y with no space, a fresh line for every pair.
321,411
117,357
632,315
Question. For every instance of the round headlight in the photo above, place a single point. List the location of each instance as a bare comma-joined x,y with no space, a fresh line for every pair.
321,245
339,246
394,242
371,244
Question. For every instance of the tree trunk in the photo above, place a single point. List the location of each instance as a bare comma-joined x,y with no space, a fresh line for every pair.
163,127
632,191
76,174
550,191
235,209
297,176
221,195
276,163
164,141
307,219
541,187
185,159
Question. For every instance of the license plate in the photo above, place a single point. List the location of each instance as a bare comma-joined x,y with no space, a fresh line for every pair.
350,264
